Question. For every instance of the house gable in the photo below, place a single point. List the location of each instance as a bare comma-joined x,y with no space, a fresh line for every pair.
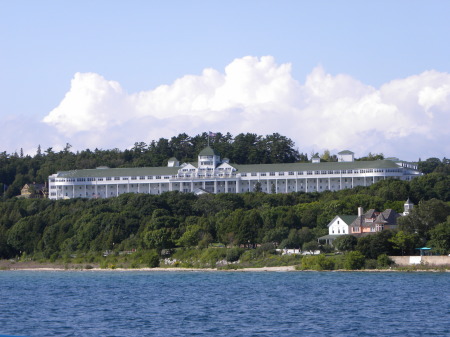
340,224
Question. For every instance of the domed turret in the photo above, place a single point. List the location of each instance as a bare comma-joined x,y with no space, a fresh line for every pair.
208,158
407,207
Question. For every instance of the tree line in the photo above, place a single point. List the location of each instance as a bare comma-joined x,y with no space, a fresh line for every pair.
48,228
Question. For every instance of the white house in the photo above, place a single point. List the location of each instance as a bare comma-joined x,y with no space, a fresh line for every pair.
214,175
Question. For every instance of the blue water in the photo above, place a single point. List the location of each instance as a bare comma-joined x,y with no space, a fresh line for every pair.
224,304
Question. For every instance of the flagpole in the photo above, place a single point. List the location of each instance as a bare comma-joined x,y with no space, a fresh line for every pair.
208,137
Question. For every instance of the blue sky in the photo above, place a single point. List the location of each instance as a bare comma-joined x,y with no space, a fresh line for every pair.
370,76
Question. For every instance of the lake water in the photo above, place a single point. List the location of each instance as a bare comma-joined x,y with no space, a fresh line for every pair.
132,303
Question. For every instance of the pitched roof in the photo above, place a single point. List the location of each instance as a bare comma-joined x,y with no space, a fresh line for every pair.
208,151
375,164
348,219
391,216
119,172
370,214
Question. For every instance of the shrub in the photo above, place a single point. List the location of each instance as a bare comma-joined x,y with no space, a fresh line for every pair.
150,259
318,262
354,260
234,254
384,261
370,264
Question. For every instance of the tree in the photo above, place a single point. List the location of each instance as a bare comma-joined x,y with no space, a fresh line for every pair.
345,243
190,237
311,246
440,237
258,187
424,217
405,242
375,244
159,239
354,260
429,165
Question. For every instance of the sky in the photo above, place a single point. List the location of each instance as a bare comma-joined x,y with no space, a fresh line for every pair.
366,76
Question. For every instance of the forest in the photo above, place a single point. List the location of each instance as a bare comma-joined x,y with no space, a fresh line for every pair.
166,223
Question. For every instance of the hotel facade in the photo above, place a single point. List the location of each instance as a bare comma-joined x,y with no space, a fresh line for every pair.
211,174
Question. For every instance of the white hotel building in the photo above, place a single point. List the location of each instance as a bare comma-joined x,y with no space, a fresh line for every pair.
213,175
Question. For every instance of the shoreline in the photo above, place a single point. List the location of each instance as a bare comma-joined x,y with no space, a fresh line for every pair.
59,268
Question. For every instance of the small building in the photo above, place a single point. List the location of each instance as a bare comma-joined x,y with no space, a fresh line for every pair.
373,221
340,225
367,223
34,191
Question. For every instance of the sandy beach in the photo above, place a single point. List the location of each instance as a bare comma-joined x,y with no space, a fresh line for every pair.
35,266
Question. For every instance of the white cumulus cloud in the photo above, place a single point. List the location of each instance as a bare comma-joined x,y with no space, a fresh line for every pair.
407,118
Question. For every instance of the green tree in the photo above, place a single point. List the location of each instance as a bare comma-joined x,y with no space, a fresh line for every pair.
354,260
159,239
375,244
345,243
424,217
310,246
405,242
440,237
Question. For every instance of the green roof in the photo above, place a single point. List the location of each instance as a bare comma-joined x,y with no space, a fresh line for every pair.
325,166
119,172
346,152
348,219
207,151
290,167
